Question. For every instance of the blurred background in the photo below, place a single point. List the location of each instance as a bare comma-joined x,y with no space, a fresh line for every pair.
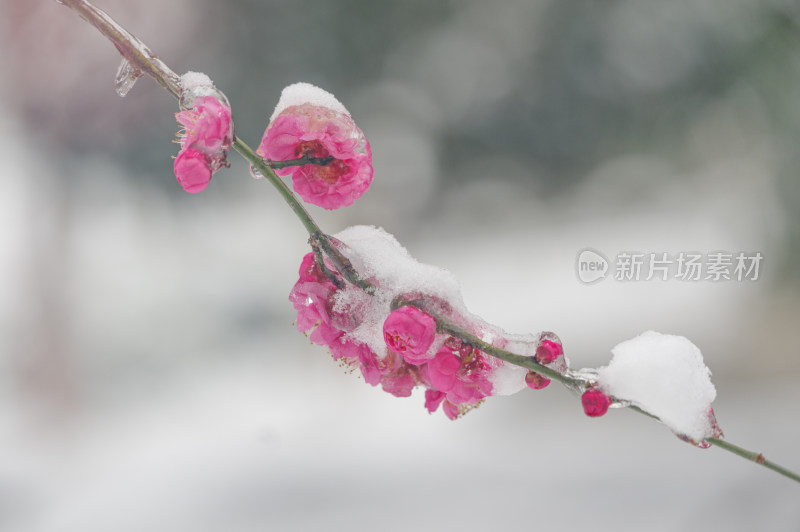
151,377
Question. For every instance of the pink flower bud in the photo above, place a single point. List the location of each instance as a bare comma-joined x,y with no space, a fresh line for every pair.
595,403
410,332
548,351
192,170
536,381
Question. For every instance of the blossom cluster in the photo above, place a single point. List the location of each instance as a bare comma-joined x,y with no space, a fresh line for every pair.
408,351
314,298
310,137
391,334
207,132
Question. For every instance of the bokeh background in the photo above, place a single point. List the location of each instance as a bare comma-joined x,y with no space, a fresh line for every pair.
150,374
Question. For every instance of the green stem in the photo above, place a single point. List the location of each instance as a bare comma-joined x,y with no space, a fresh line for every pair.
145,61
263,167
758,458
317,237
752,456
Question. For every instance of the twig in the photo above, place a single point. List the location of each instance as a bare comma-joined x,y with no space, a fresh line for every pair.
140,56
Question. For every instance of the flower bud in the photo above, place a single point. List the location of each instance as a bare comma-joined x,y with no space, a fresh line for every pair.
548,351
536,381
595,403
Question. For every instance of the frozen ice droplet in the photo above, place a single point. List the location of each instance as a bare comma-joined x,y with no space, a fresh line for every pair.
255,172
127,74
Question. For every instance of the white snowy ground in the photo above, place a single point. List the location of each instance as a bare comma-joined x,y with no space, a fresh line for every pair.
242,446
171,391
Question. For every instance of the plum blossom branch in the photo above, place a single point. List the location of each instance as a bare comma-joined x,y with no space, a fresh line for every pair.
262,165
131,48
574,383
140,61
318,239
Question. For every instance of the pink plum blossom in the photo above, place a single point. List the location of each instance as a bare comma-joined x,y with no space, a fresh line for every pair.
450,410
442,370
310,130
410,332
461,372
192,170
457,378
401,381
312,297
207,126
204,140
433,399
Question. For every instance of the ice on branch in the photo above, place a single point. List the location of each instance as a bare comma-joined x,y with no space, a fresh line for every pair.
310,123
126,77
401,349
665,376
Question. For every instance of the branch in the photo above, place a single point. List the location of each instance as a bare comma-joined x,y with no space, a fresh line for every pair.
140,60
132,49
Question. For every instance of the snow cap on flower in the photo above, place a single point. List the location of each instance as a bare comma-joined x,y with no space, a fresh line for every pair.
310,122
196,83
302,93
410,332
